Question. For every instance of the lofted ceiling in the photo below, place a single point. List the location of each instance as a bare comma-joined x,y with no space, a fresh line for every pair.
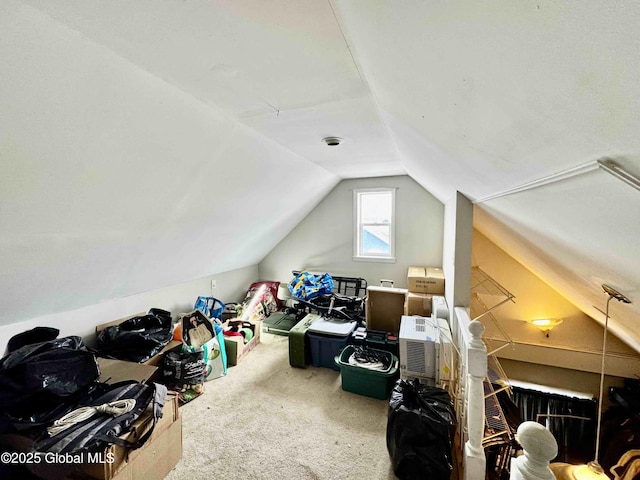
135,133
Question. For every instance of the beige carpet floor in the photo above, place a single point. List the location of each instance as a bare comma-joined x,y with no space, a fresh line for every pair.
267,420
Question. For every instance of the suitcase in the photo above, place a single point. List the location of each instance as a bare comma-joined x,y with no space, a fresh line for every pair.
299,348
279,323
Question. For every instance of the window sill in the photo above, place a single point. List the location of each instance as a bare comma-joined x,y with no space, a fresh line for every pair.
375,259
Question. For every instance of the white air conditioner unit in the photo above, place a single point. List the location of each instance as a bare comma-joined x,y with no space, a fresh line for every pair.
418,342
426,350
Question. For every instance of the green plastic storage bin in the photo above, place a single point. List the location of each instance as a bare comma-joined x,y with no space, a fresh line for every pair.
364,381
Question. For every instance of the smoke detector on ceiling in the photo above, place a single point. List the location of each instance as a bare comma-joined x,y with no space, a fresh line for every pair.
332,141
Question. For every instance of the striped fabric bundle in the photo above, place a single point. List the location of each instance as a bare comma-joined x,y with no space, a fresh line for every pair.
105,426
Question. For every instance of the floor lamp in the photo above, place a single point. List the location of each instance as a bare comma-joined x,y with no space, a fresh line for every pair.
593,470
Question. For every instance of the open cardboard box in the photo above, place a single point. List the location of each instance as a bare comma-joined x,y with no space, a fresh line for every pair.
418,304
384,308
235,347
155,459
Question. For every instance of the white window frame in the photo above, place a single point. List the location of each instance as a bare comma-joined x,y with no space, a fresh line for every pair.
357,227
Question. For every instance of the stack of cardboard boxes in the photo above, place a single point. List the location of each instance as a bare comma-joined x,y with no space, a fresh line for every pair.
423,283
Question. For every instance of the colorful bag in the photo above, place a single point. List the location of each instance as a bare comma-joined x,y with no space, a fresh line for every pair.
210,306
265,293
306,286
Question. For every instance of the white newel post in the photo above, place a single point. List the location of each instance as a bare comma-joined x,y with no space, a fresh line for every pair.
474,458
540,447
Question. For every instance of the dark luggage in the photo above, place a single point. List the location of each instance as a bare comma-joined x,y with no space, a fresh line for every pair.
299,345
91,429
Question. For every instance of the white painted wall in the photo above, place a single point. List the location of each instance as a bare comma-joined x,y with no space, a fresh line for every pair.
575,344
323,241
230,287
115,182
456,257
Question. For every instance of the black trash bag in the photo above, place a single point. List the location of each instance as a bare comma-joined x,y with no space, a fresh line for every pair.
158,312
420,428
137,339
39,379
35,335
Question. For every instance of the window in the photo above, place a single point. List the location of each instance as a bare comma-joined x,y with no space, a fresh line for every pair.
374,228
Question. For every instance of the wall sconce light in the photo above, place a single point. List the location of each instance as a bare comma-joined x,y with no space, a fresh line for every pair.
545,324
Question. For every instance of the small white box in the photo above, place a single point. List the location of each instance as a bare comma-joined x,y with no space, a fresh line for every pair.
445,352
439,307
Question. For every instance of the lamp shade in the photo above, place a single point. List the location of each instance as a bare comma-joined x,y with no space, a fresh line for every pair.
590,471
545,324
283,292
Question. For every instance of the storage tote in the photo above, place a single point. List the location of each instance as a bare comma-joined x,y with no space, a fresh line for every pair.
358,379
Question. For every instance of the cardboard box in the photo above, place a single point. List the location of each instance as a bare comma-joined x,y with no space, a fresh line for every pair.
384,308
235,347
415,279
156,360
425,280
113,371
155,459
418,304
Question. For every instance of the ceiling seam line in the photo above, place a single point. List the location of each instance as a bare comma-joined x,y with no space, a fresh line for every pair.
363,79
553,178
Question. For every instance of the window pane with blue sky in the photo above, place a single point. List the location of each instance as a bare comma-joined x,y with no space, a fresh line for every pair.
375,220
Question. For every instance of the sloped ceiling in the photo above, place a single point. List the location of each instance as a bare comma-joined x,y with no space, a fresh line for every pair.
146,143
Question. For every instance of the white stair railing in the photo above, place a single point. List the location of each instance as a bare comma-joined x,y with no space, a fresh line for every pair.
540,447
472,373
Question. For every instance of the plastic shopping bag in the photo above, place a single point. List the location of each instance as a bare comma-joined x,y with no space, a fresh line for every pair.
210,306
200,334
